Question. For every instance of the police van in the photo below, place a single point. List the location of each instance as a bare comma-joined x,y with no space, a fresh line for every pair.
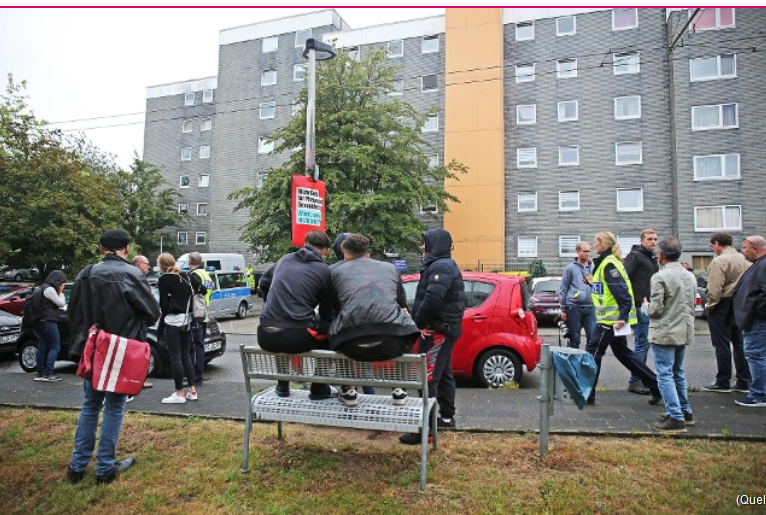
231,292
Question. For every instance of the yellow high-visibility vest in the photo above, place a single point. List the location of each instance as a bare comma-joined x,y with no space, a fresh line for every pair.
607,309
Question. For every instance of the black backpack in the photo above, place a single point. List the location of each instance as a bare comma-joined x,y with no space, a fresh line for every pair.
33,307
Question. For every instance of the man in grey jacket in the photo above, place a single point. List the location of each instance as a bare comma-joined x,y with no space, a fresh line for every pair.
671,328
574,296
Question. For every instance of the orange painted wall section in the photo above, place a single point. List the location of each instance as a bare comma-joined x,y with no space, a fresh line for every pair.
474,133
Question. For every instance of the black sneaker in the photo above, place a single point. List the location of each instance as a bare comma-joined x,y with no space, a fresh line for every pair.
671,425
39,377
688,418
656,399
50,378
716,387
638,387
741,387
282,393
349,398
441,422
332,392
413,438
399,397
118,468
74,476
751,403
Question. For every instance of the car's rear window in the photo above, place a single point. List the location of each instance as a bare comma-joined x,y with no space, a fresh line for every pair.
547,287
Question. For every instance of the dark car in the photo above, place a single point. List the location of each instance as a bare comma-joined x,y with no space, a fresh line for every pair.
159,364
544,298
13,301
10,330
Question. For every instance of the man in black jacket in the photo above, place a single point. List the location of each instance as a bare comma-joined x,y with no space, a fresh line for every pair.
641,264
438,313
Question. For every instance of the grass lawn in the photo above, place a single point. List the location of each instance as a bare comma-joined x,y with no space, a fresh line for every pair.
192,465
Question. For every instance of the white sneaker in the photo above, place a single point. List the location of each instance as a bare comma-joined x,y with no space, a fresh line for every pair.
191,396
399,396
130,399
174,399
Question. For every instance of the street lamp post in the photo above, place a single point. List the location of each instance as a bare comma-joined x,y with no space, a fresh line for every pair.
314,50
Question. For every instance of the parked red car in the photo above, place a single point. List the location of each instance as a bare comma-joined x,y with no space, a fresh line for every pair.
499,330
13,302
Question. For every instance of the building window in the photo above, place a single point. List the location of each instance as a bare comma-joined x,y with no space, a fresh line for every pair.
711,68
721,166
525,31
566,26
397,87
301,36
429,209
201,238
568,111
183,208
299,72
628,153
186,154
626,243
204,181
270,44
207,124
433,160
623,19
525,72
569,200
296,108
718,218
526,157
432,123
527,202
260,177
268,77
187,126
184,181
354,53
627,107
626,63
569,156
710,18
265,145
566,68
527,247
721,116
395,49
183,238
189,99
568,246
526,115
630,199
429,44
204,152
428,83
207,96
202,209
268,109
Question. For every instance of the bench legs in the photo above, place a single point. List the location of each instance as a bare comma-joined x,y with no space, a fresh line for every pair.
248,426
280,436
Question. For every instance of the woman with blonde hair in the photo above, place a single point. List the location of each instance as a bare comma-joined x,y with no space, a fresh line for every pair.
175,303
612,296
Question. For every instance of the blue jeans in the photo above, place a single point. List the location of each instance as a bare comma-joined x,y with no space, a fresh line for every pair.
48,346
85,436
640,340
755,353
579,318
669,362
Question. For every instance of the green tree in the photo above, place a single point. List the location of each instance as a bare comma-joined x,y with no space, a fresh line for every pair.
372,159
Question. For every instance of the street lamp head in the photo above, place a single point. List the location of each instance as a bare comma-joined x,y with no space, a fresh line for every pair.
322,51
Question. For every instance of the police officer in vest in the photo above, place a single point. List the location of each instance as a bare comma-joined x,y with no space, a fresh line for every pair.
612,296
201,283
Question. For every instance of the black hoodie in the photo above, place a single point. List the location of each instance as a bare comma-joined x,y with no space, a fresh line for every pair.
52,309
641,264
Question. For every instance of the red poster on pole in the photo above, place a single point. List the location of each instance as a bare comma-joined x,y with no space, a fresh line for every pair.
308,211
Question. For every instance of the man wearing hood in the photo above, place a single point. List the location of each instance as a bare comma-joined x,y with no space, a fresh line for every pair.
438,313
47,329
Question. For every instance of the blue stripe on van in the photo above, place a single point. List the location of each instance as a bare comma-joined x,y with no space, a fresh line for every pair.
228,293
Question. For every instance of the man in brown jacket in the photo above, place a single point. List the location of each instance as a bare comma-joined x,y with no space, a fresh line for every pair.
723,275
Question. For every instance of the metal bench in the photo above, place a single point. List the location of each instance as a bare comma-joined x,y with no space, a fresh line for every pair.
374,412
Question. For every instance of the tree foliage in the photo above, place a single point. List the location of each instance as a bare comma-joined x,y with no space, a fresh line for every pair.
371,155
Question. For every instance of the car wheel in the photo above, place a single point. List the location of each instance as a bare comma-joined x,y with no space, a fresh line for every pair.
28,356
496,367
17,277
242,310
155,363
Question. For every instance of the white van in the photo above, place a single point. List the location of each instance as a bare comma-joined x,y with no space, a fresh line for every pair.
216,261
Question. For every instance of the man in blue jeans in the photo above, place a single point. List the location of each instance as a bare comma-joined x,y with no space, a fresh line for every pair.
47,329
575,296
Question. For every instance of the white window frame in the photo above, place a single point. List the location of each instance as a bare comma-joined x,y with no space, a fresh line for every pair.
529,77
719,75
272,106
526,197
720,125
200,238
207,96
574,26
424,46
183,207
203,181
267,73
561,199
265,145
577,149
618,144
300,42
354,53
566,74
184,183
569,238
429,119
530,241
187,126
617,56
627,27
723,217
183,238
259,178
525,24
204,152
724,176
640,206
394,92
295,108
534,114
186,153
433,161
626,243
268,42
717,26
577,111
206,124
628,117
531,151
201,208
423,83
401,47
430,209
299,72
190,99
